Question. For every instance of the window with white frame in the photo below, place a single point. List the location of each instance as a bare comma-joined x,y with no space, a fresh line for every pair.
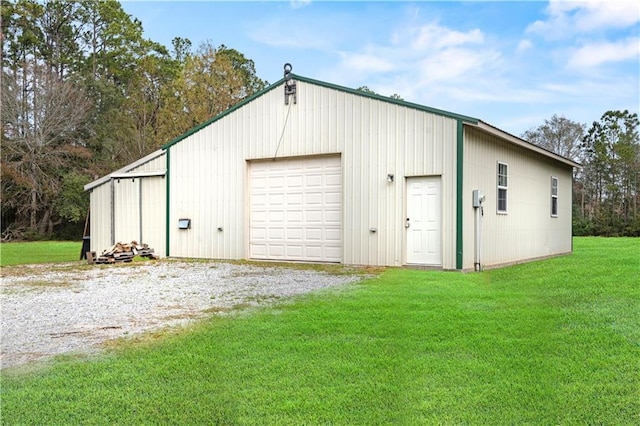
503,186
554,196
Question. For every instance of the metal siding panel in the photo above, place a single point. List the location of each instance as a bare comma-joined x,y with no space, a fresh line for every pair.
127,210
100,205
389,139
126,219
156,164
153,213
527,230
209,170
208,179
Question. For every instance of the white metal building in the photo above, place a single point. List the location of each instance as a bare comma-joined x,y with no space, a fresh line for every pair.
318,172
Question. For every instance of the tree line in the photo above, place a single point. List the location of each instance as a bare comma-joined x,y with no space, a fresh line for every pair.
606,190
83,93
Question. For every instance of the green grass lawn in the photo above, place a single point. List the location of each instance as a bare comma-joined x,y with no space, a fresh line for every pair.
550,342
39,252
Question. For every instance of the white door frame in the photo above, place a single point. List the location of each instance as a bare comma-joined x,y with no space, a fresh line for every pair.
428,247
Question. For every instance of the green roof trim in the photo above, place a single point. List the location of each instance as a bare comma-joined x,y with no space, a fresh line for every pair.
356,92
388,99
222,114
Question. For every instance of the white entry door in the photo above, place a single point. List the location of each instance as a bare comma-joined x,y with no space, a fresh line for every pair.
424,221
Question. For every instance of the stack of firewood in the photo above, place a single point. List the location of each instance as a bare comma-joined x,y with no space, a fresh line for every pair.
122,252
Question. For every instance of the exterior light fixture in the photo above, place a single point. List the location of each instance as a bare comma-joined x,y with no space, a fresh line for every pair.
289,85
390,178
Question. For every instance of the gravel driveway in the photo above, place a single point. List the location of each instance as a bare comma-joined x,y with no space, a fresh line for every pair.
54,309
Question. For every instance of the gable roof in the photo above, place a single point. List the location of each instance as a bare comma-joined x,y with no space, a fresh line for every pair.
472,121
488,128
356,92
126,171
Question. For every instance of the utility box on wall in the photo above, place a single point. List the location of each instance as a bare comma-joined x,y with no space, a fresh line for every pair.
478,198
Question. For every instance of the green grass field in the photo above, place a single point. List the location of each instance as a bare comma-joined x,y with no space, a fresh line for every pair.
550,342
39,252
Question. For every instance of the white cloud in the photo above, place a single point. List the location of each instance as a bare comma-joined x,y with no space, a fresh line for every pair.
279,33
594,54
434,36
524,45
422,55
455,63
567,18
297,4
366,62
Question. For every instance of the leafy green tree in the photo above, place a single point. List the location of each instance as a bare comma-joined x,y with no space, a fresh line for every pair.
72,203
212,80
84,93
612,173
366,89
125,75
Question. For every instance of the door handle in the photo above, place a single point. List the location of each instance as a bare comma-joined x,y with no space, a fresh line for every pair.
407,224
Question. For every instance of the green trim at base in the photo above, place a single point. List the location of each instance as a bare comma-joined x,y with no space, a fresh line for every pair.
459,195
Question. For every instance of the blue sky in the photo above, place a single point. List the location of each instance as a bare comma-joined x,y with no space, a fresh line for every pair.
511,64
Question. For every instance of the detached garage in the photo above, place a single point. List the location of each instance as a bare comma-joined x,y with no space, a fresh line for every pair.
310,171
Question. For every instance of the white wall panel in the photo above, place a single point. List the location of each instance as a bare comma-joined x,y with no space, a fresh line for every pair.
209,170
127,210
527,230
153,213
115,205
100,217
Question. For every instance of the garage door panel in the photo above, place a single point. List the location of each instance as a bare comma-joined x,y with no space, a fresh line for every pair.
296,210
295,216
332,252
332,234
259,217
333,217
313,234
275,182
333,180
295,234
314,252
333,198
276,234
276,216
295,181
295,251
314,181
313,217
275,251
314,197
295,199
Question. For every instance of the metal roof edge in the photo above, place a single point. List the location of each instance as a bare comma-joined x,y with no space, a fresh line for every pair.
124,169
323,84
382,98
488,128
222,114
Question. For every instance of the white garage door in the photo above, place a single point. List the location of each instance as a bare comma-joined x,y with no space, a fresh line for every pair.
296,210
